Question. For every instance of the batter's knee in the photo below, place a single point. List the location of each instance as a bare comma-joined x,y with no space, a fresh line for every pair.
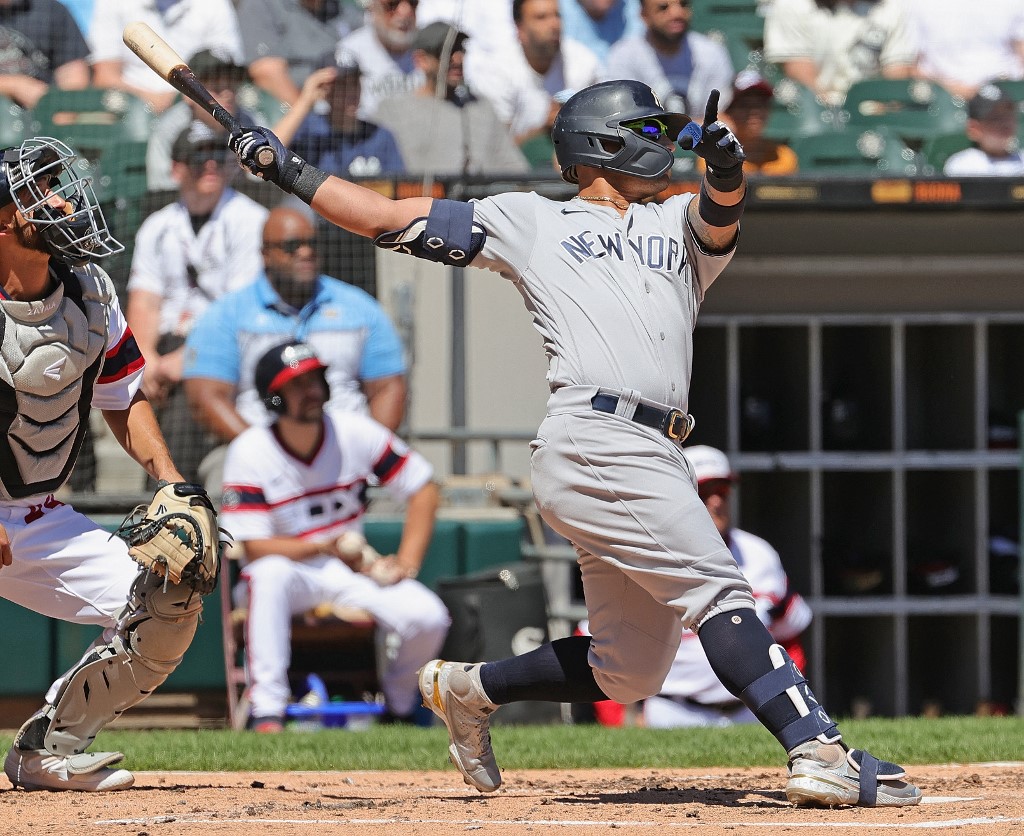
632,676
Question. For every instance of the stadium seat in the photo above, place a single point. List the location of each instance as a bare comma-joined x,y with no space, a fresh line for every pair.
13,123
1016,90
91,120
736,25
939,149
913,109
860,153
539,152
797,112
265,108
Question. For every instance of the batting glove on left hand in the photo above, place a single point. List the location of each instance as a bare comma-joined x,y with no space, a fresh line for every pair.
718,147
248,143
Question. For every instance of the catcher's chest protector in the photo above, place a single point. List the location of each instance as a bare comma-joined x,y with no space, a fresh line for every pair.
51,352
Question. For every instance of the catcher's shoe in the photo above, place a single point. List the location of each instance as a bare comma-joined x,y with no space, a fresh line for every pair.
830,775
452,690
37,769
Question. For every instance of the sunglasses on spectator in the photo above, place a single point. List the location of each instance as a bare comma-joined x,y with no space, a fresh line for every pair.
649,128
197,162
390,6
290,246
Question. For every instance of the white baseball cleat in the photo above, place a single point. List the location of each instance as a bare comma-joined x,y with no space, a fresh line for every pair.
452,690
830,775
37,769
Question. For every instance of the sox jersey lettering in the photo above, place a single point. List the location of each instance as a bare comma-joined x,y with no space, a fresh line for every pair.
615,298
270,493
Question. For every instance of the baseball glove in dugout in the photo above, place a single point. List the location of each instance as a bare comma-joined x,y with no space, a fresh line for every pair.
176,536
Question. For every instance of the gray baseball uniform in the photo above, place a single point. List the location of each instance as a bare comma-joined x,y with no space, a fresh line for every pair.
615,300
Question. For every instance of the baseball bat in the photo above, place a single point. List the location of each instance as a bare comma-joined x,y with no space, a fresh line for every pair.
166,63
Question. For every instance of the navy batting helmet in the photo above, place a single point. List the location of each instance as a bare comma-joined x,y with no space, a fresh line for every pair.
588,130
36,171
280,364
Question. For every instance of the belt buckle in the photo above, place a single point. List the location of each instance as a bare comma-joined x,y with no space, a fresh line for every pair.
678,425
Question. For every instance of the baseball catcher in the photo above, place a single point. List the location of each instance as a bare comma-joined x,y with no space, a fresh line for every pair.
66,348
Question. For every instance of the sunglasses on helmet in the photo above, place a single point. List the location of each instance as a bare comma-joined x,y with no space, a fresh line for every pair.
649,128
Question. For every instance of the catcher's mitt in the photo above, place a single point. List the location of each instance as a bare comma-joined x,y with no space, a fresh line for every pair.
176,536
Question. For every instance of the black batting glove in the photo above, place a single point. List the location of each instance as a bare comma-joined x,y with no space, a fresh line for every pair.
718,147
249,144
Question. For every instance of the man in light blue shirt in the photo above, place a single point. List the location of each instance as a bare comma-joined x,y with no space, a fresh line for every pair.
345,326
600,23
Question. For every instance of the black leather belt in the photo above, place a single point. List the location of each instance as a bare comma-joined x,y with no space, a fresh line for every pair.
672,423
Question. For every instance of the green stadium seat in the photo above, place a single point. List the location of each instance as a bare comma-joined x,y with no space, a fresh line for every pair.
13,123
797,112
739,30
265,108
539,152
860,153
940,148
91,120
913,109
1016,89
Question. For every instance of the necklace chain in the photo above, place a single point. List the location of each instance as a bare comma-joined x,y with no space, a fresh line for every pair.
614,201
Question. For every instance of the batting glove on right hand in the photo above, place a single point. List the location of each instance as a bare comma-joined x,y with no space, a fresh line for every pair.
248,144
718,147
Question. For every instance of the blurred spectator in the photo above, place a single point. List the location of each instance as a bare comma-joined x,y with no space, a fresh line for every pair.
290,299
692,695
527,84
222,77
283,39
681,66
81,11
488,25
40,45
992,127
747,115
187,255
963,55
598,24
187,25
383,51
827,45
338,142
455,134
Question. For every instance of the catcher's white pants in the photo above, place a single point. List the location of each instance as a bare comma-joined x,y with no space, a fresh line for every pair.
676,713
65,566
277,588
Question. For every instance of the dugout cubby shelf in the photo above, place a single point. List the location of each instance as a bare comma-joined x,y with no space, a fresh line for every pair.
879,455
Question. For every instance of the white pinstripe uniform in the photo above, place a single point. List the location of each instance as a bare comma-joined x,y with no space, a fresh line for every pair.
615,300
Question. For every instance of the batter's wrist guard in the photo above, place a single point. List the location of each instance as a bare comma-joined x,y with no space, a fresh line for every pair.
307,180
725,179
716,214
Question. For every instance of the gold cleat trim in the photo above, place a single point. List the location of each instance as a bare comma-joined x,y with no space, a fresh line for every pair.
436,696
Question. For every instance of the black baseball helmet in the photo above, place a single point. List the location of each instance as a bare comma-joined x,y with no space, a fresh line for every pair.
280,364
596,113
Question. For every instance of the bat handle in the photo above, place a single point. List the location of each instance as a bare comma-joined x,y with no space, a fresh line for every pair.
264,157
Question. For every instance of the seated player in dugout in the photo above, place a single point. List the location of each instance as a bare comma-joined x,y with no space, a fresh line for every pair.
293,496
613,283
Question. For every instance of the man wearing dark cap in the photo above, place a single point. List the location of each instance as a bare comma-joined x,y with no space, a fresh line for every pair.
992,128
339,140
443,128
186,255
222,77
747,115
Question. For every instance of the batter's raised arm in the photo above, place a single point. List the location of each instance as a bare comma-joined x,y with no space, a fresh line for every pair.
348,205
715,215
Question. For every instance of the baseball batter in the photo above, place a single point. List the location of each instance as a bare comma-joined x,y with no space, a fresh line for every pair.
66,348
613,283
291,491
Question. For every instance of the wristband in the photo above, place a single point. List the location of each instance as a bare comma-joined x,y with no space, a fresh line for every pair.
309,180
725,179
716,214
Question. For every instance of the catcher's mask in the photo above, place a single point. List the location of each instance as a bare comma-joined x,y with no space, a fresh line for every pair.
280,364
40,169
590,129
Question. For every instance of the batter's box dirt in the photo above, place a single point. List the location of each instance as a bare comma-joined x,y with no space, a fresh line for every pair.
973,800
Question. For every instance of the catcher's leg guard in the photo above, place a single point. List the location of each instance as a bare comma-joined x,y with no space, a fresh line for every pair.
152,634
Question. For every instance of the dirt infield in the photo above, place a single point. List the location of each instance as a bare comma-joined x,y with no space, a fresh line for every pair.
973,800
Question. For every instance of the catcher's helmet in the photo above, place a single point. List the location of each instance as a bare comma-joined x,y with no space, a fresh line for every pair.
596,113
280,364
35,172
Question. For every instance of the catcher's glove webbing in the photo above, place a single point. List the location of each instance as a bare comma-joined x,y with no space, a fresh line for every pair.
176,536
